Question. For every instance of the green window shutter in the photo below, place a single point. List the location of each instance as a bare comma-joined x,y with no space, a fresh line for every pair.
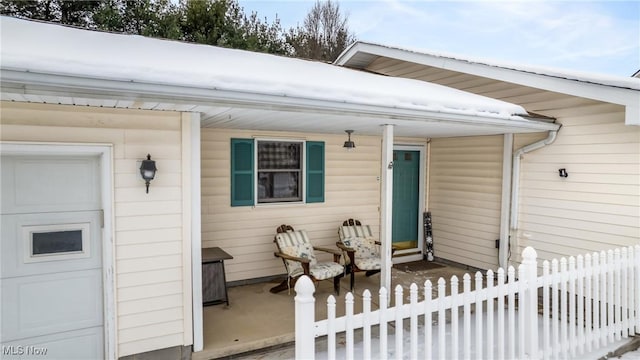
242,172
315,171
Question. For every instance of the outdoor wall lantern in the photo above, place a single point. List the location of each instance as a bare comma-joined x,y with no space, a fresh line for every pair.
349,145
563,173
148,170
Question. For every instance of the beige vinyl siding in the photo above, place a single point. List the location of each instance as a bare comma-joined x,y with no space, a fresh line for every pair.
150,283
352,190
465,182
598,206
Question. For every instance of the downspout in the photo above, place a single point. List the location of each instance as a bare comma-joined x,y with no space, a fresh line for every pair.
515,184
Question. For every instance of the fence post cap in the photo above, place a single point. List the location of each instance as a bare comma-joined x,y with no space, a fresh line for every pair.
529,252
304,286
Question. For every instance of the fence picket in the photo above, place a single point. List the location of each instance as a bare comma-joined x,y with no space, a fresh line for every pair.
455,296
383,323
490,305
593,301
398,322
366,326
624,305
511,274
428,322
604,288
617,302
521,330
501,294
413,291
580,300
610,298
572,306
636,267
441,320
597,309
349,325
466,293
587,302
331,332
546,326
478,309
563,308
555,308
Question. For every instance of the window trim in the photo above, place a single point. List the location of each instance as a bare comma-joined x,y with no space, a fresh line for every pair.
27,239
303,172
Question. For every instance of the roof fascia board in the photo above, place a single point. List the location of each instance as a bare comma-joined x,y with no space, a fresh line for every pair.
610,94
49,84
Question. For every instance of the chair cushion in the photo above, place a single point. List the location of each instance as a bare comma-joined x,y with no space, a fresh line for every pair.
368,263
326,270
296,243
360,238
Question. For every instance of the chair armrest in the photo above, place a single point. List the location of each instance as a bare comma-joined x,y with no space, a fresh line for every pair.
292,258
344,247
351,252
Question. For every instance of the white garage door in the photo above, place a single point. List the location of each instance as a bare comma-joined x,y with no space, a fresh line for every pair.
51,258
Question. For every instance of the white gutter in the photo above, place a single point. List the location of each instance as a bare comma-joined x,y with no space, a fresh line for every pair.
51,84
515,185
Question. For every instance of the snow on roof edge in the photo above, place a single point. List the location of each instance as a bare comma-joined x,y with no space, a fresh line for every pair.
571,75
69,51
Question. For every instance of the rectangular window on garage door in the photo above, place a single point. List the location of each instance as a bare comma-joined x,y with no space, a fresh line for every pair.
56,242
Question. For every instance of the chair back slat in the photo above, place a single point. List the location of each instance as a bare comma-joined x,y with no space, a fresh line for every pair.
295,243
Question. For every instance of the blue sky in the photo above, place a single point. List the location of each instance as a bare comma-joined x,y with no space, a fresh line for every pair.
590,36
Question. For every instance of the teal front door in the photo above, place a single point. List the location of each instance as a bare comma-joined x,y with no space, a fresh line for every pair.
406,192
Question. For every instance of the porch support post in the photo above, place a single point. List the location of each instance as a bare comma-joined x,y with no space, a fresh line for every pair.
505,207
196,234
386,208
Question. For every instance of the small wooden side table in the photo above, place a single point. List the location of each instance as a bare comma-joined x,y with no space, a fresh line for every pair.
214,281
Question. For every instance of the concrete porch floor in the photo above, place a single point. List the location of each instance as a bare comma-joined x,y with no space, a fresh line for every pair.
257,319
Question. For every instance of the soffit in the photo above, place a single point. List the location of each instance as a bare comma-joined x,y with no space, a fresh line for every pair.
534,100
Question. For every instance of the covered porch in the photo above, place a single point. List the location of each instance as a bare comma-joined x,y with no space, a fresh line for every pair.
256,320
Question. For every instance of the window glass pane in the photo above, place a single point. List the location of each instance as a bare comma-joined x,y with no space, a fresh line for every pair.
278,155
56,242
278,186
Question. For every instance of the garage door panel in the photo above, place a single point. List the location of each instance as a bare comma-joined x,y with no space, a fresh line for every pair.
50,242
85,343
45,304
51,275
31,181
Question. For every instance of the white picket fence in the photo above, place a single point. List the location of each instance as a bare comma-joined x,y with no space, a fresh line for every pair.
582,303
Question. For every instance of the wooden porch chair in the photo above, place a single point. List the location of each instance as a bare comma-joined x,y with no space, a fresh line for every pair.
297,253
362,250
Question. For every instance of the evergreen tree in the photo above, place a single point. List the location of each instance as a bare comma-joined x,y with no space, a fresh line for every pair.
77,13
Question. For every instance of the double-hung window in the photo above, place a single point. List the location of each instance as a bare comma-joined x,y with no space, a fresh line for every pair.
279,171
266,171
